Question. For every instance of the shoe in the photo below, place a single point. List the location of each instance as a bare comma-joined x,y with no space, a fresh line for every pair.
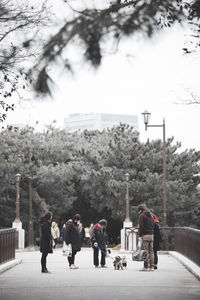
155,268
144,269
97,267
44,270
103,266
151,269
73,267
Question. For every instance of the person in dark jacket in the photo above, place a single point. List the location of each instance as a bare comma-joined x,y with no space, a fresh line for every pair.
99,241
82,233
146,230
45,240
157,239
72,237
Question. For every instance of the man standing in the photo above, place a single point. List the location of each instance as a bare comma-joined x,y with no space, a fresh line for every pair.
45,240
146,230
99,241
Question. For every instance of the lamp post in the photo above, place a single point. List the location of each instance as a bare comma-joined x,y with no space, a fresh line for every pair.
146,117
30,229
17,178
127,199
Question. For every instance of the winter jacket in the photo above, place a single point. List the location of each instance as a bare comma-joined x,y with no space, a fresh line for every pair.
62,233
157,238
99,236
55,232
72,235
82,234
146,224
45,236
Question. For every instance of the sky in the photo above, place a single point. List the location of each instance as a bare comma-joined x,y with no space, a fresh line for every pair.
152,75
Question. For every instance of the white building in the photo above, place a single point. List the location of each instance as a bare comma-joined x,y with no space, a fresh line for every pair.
98,121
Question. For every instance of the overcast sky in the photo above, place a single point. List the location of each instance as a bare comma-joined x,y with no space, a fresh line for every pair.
144,74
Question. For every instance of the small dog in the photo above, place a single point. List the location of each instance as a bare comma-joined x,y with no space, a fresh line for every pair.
124,262
118,263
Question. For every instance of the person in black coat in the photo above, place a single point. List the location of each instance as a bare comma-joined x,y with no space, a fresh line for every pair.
157,239
82,233
99,239
72,237
45,240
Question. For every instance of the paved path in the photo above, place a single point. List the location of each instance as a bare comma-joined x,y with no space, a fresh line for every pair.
25,281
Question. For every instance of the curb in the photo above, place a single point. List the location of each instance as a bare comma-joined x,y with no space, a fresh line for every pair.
10,264
188,264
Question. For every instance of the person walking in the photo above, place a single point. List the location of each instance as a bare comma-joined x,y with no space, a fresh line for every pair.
45,240
146,230
82,233
72,237
157,239
62,234
90,229
55,231
99,239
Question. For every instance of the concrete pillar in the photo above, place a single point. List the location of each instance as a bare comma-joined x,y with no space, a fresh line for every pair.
21,234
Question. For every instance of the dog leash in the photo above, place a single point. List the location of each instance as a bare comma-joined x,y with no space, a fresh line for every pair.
108,255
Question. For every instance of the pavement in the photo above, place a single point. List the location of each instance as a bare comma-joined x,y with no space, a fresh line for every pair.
172,281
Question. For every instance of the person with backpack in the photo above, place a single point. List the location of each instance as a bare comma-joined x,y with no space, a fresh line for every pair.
99,239
157,239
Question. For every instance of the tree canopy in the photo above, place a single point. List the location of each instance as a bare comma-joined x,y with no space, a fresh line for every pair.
85,172
96,28
92,29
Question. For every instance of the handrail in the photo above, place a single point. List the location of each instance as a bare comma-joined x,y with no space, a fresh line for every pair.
7,244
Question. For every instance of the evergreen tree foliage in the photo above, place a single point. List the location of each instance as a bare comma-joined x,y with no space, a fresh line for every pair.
85,172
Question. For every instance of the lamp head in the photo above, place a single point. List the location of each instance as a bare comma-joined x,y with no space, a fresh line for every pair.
146,117
127,175
17,177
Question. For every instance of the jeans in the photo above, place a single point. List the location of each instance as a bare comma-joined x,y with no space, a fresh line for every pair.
71,259
96,257
44,260
148,246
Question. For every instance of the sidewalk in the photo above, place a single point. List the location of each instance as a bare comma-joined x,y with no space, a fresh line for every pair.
171,282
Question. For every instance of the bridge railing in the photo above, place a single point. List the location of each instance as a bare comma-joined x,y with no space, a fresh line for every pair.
187,242
184,240
8,242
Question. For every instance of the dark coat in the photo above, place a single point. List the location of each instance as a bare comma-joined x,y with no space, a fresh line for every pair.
157,238
99,236
62,233
82,234
45,236
72,235
146,224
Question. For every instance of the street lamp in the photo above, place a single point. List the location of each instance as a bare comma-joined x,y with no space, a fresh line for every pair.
17,178
146,116
127,198
30,229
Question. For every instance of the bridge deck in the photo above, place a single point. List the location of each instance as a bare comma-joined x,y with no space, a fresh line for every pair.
171,282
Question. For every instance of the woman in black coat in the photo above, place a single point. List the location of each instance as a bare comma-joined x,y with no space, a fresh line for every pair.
157,239
72,237
45,240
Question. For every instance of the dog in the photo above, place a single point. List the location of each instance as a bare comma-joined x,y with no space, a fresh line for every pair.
124,262
118,263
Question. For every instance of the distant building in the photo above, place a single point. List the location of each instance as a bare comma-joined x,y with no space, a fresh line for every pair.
98,121
15,127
